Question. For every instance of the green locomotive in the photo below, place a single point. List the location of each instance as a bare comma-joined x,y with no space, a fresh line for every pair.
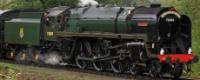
123,39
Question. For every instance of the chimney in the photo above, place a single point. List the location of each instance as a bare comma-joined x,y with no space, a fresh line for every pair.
155,3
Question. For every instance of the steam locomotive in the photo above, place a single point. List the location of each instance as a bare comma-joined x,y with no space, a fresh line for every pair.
154,40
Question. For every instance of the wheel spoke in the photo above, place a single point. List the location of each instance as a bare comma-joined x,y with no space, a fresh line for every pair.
84,50
117,66
178,70
98,51
133,69
81,63
99,66
155,69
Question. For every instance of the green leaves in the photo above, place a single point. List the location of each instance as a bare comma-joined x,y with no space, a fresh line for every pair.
125,2
114,2
23,4
18,4
54,3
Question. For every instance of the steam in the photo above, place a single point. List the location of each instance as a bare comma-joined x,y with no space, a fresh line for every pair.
87,2
1,12
52,58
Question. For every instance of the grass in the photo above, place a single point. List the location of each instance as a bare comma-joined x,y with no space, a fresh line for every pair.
196,47
12,72
20,72
7,72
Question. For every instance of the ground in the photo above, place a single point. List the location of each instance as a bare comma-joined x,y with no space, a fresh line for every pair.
21,72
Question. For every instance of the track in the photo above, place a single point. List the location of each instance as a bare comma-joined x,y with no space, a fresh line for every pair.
90,71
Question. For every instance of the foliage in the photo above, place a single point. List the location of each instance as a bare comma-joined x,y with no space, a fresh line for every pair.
19,4
16,4
116,2
125,2
54,3
141,2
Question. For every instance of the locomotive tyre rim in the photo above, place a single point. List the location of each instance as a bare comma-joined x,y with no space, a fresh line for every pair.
84,50
98,51
98,66
155,69
177,71
117,66
133,69
81,63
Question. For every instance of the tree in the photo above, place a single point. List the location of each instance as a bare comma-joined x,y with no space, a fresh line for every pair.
114,2
54,3
125,2
16,4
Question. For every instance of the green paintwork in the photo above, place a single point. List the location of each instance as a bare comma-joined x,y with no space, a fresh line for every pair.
25,29
54,26
81,20
96,25
73,25
30,35
98,19
122,26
